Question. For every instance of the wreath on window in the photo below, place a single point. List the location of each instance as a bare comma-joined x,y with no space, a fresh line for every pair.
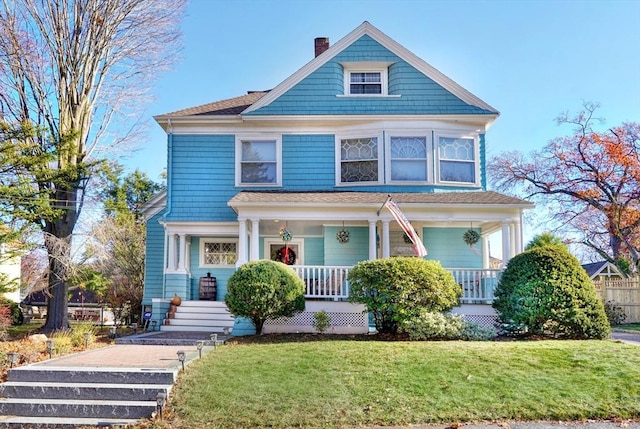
285,255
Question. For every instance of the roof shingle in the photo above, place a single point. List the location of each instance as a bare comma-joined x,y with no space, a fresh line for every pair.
230,106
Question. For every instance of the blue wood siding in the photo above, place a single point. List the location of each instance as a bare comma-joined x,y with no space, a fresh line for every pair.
446,245
154,256
356,250
314,251
202,177
308,162
316,94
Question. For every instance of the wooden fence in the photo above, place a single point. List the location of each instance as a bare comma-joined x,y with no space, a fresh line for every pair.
624,293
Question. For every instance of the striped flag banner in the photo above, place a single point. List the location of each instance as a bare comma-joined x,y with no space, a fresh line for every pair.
418,246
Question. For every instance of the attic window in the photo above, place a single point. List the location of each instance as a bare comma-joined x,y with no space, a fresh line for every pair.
365,79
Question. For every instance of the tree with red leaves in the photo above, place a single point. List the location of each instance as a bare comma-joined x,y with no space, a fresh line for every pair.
590,181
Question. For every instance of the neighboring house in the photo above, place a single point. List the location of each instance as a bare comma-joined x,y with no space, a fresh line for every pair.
603,270
318,155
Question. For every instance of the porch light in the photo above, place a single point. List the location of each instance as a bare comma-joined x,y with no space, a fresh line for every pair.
199,346
87,336
161,400
181,356
50,346
13,357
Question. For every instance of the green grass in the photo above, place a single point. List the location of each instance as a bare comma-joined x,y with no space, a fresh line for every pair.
343,383
628,327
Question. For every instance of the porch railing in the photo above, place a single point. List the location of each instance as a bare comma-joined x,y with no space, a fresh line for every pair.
324,281
330,282
478,285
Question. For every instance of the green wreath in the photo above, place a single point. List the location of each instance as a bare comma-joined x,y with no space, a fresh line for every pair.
280,255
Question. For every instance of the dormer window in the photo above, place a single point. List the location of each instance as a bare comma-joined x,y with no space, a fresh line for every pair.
365,79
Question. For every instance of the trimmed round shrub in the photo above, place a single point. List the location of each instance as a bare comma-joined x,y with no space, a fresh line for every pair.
433,326
261,290
544,291
400,288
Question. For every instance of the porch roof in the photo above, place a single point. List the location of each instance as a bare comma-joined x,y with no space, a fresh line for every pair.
475,198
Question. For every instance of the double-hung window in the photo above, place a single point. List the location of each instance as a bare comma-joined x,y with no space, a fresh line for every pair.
359,160
408,158
457,159
258,162
219,252
366,78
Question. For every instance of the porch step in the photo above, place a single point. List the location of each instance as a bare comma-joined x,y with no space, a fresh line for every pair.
200,316
57,397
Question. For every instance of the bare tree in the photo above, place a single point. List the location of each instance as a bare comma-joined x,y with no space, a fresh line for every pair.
78,71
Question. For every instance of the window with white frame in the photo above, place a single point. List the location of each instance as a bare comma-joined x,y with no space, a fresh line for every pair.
258,161
366,78
359,160
220,252
457,159
408,158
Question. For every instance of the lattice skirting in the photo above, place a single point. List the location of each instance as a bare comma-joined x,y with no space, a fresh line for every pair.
482,319
341,323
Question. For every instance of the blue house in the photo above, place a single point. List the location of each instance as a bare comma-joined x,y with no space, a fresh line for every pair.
300,174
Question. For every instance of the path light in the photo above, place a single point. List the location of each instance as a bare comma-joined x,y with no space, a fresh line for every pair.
199,346
161,400
134,326
87,336
112,331
181,356
50,347
153,325
214,340
225,330
13,358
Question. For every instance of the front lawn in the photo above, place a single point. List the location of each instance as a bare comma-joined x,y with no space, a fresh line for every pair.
342,382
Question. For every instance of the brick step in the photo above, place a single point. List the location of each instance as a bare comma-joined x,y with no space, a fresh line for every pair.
43,374
80,391
30,407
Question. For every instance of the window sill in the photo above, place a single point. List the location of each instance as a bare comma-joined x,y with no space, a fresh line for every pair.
367,96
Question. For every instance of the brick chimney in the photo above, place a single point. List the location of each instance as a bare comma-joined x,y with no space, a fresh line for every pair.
321,45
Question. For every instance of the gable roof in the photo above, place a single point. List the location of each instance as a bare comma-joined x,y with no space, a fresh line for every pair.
367,29
595,268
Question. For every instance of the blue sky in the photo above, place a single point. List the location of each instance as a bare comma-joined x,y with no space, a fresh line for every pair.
532,60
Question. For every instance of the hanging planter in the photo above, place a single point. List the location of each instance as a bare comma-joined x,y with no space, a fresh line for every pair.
471,237
343,235
285,234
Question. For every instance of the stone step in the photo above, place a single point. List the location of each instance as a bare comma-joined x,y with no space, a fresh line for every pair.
30,407
43,374
23,422
204,304
227,318
79,391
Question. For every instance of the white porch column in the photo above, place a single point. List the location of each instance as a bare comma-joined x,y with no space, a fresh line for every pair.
171,258
506,243
372,240
255,239
242,242
386,245
512,244
182,253
486,260
517,235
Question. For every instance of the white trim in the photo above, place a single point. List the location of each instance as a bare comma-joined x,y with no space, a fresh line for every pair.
204,241
476,160
377,134
240,138
268,242
155,205
388,43
202,229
